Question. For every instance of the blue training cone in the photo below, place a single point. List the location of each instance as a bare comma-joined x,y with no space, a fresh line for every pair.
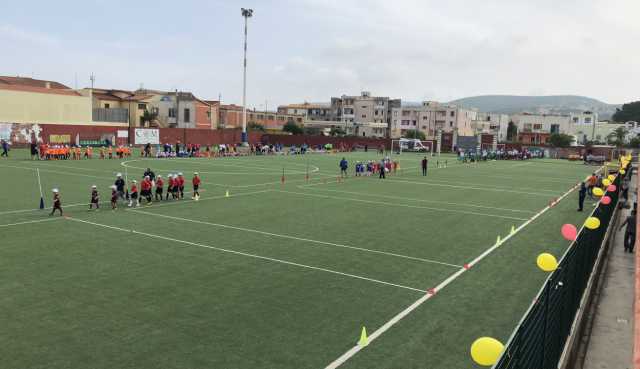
41,203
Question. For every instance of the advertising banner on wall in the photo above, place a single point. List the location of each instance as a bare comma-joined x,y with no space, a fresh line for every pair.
20,133
123,133
145,136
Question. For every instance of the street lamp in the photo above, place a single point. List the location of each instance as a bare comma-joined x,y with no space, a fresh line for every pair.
246,13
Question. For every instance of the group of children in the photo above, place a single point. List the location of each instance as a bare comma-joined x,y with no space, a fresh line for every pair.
136,193
65,152
371,167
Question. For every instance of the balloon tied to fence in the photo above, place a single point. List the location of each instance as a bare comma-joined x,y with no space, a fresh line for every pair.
597,191
592,223
569,232
486,351
547,262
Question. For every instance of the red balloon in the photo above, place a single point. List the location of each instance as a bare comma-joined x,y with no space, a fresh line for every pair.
569,232
611,188
606,200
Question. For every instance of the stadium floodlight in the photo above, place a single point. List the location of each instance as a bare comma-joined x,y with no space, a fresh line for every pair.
246,14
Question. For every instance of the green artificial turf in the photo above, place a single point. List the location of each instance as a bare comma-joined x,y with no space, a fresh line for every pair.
277,275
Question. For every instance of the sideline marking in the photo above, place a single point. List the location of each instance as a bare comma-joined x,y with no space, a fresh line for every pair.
300,239
29,222
248,255
428,201
385,327
402,205
53,171
494,189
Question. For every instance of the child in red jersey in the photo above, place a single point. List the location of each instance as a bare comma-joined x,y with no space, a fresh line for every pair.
159,187
180,180
114,197
146,189
133,196
95,198
170,185
196,185
57,202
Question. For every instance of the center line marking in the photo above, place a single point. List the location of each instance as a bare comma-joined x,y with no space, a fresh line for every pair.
249,255
300,239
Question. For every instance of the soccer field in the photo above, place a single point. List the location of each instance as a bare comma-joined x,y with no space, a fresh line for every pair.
276,275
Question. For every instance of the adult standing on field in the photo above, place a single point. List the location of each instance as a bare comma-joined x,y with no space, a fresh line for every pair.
5,148
424,163
581,196
383,169
120,186
343,167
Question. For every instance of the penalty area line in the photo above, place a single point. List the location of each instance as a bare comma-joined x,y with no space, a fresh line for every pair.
254,256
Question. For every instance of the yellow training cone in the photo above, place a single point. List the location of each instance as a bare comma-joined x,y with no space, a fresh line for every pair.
364,340
226,194
611,177
513,229
498,240
547,262
486,351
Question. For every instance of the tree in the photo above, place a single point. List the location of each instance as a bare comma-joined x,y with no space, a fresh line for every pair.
337,131
253,126
414,133
618,137
292,128
635,142
629,112
560,140
312,131
512,131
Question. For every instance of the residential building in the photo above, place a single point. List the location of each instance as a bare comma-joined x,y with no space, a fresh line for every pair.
32,101
231,117
311,111
492,123
369,114
585,127
433,117
536,128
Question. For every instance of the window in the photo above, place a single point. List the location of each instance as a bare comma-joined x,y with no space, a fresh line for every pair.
395,113
587,120
376,112
450,124
280,118
453,113
155,110
187,115
172,112
425,117
260,116
414,123
424,127
299,120
270,117
576,119
555,128
106,106
527,127
364,115
537,126
142,106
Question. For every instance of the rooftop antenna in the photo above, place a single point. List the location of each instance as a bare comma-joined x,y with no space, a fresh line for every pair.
92,78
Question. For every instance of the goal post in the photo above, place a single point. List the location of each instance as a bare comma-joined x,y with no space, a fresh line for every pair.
409,145
489,147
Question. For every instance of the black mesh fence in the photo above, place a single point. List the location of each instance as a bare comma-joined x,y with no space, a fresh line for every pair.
539,340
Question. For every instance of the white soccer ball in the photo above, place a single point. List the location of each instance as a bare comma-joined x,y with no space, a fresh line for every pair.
386,170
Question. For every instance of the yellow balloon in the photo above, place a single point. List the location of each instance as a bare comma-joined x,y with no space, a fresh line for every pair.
606,182
547,262
597,191
486,351
592,223
611,178
622,171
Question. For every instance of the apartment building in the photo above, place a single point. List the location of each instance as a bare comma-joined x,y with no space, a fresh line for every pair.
231,116
492,123
432,117
311,111
536,128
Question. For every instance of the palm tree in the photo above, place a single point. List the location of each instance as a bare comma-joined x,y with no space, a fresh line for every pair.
618,137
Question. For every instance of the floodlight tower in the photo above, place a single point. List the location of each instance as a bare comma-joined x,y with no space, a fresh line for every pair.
246,14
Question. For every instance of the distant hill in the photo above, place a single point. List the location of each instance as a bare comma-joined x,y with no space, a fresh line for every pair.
560,104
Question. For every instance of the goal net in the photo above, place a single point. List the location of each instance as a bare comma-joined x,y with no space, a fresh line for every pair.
409,145
489,147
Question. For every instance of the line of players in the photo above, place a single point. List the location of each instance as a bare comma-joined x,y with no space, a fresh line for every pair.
134,195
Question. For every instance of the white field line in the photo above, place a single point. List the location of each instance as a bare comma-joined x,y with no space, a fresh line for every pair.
53,171
287,181
189,201
551,192
249,255
29,222
402,205
488,188
256,171
427,201
50,164
79,204
325,243
385,327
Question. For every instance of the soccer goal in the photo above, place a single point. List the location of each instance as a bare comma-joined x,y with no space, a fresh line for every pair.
489,147
410,145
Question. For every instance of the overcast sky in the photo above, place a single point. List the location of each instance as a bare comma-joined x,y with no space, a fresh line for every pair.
309,50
